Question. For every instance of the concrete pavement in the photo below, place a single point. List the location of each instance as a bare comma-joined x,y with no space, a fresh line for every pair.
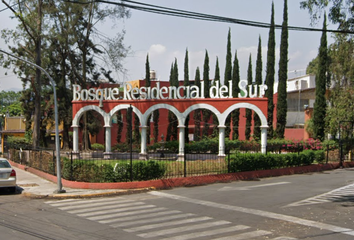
31,185
37,184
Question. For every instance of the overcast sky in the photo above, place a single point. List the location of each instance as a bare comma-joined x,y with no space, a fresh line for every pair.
165,38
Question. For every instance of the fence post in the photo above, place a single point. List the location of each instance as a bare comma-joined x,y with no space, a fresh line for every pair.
53,163
228,160
185,164
71,166
327,154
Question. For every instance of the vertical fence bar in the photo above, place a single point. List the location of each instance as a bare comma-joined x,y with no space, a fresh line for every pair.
53,162
327,153
228,161
185,165
71,166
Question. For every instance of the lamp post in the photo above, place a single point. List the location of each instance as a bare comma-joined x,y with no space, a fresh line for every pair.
57,146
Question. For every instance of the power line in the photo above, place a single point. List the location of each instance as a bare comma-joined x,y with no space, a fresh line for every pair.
201,16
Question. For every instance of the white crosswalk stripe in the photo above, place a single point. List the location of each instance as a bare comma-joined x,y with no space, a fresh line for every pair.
345,193
152,222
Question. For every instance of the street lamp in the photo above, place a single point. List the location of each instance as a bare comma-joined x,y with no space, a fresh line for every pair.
57,146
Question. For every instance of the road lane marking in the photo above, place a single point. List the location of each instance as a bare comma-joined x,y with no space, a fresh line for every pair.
115,210
277,216
209,233
139,216
339,194
154,219
182,229
246,235
125,214
167,224
250,187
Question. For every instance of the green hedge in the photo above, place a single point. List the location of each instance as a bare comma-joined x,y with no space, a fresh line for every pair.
90,172
257,161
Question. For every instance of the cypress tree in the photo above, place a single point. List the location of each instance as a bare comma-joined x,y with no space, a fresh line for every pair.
174,117
216,79
206,79
235,91
256,119
156,117
147,84
170,114
319,111
270,71
228,77
129,125
186,83
136,132
249,111
282,105
228,66
197,113
119,126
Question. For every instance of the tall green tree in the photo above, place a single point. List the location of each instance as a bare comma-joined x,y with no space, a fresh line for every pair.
319,111
235,91
186,83
206,80
282,106
30,35
340,12
197,117
228,77
341,108
249,111
172,129
147,84
270,72
68,51
258,81
216,79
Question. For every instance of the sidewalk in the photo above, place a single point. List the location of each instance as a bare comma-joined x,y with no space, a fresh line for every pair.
36,184
33,186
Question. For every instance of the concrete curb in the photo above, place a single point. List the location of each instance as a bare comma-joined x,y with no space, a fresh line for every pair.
85,195
184,181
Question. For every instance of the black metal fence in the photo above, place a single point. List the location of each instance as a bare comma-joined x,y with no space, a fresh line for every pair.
125,166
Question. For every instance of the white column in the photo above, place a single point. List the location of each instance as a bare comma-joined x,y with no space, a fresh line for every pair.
143,140
181,143
222,141
108,139
264,139
75,138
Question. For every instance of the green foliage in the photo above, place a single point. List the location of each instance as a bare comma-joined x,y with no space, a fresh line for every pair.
340,12
282,106
18,142
257,161
235,115
259,81
249,111
270,71
197,117
91,172
319,111
97,146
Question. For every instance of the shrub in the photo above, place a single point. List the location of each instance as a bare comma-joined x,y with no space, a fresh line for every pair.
241,162
97,147
18,142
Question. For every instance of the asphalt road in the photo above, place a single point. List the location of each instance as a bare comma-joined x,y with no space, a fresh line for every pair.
308,206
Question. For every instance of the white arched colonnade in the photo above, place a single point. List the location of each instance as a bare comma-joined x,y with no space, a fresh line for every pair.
181,116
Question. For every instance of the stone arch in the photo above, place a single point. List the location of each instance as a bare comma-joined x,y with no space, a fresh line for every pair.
125,106
178,114
78,115
201,106
224,115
